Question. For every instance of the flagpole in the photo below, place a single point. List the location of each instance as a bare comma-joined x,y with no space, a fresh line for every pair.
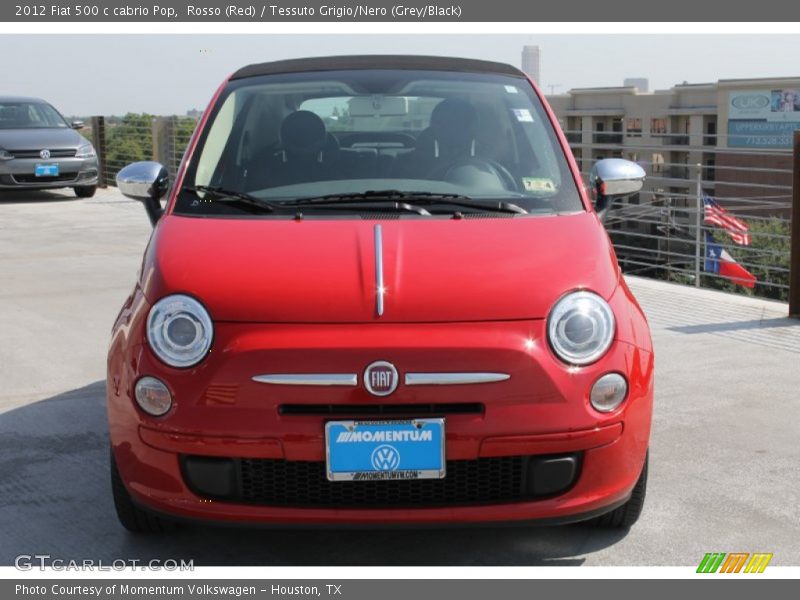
698,220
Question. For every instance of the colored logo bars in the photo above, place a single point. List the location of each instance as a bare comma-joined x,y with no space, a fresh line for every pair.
734,562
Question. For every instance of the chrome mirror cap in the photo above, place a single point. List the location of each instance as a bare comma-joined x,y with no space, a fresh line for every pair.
616,177
143,181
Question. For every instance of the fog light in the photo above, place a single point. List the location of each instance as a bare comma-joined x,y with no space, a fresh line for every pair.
608,392
153,396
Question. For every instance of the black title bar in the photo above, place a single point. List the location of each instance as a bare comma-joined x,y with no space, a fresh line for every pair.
466,11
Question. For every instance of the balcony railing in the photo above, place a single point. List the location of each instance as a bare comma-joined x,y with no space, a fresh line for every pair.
678,172
607,138
677,139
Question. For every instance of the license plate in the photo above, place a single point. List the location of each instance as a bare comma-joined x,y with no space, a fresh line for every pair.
43,170
385,450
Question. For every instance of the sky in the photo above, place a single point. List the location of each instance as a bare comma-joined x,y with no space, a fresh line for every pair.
172,73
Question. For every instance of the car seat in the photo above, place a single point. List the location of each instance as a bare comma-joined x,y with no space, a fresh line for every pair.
450,136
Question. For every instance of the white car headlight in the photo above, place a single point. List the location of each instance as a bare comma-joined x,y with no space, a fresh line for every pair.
5,155
580,328
179,330
86,151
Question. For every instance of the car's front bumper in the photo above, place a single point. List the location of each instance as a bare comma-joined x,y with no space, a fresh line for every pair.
19,173
607,475
541,410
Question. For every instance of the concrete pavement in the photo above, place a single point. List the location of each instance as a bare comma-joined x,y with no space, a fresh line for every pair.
724,457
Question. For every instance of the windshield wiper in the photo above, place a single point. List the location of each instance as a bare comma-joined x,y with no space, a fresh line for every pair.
428,198
239,199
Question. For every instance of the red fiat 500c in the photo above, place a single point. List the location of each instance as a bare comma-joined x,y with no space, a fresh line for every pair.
379,293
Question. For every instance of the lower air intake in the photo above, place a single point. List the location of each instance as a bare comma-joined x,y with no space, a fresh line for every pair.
271,482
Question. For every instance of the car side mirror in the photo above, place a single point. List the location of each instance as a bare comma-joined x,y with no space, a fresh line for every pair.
77,124
614,178
147,182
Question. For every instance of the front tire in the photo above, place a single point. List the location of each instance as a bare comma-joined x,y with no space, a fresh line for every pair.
131,516
626,515
85,191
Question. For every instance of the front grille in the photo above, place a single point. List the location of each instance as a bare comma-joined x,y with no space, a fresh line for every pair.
371,410
35,153
33,179
303,484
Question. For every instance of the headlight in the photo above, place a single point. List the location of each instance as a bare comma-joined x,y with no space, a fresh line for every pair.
580,328
5,155
86,151
179,330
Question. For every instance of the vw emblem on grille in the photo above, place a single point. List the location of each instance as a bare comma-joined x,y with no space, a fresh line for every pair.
44,154
385,458
380,378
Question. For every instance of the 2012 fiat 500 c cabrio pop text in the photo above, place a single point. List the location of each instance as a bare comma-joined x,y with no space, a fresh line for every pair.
378,293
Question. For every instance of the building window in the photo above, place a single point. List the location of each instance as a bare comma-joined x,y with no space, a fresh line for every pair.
657,163
633,127
710,139
710,173
658,126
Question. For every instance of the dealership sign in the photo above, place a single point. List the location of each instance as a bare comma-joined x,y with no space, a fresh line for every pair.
763,118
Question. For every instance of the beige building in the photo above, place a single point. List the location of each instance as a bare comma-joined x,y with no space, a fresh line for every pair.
738,130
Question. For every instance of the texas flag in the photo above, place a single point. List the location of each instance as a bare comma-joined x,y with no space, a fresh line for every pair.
718,261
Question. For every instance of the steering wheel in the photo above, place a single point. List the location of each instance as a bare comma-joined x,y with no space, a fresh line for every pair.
504,176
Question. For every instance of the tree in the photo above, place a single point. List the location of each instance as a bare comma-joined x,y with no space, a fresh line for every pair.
767,258
128,140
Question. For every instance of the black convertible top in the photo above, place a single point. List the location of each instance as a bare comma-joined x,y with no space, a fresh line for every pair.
407,62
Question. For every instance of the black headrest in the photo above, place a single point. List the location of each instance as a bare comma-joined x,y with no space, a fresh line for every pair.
303,132
454,123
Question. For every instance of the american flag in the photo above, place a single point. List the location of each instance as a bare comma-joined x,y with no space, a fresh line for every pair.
716,215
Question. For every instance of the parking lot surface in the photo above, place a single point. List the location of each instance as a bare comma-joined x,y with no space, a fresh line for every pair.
724,464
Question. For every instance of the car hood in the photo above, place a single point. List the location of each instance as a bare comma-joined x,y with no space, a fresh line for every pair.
323,271
38,139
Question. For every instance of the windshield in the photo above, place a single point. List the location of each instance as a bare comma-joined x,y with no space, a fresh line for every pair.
29,115
283,138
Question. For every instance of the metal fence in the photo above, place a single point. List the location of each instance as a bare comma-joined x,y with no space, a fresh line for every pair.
662,231
122,140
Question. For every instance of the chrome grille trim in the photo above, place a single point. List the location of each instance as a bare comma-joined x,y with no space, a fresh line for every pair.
348,379
453,378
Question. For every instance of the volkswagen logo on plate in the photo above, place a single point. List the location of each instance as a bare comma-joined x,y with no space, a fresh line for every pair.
380,378
45,154
385,458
